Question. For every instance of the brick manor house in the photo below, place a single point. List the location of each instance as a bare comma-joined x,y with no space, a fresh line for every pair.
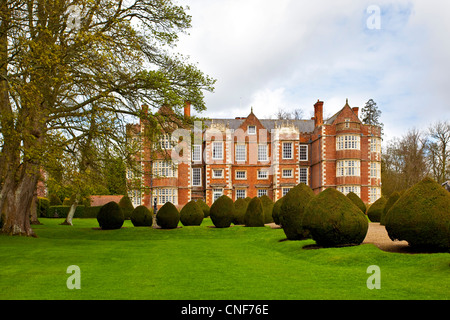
248,157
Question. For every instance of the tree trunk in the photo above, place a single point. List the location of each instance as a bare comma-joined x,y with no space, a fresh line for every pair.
71,213
33,211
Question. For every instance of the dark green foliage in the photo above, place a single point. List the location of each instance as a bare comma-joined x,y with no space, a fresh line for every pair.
291,213
357,201
421,216
54,200
254,216
390,202
126,206
63,211
248,199
334,220
43,205
376,209
267,204
141,216
110,216
204,207
240,207
276,210
191,214
168,216
222,212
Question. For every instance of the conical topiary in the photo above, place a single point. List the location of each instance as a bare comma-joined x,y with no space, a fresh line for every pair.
222,212
204,207
376,209
421,216
126,206
334,220
357,201
254,216
291,212
276,210
240,207
389,203
168,216
267,205
110,216
191,214
141,216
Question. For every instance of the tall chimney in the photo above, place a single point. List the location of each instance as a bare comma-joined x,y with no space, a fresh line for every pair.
355,110
318,113
187,109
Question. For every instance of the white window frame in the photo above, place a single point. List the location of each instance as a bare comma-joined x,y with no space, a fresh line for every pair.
261,192
263,174
287,153
375,170
303,175
263,154
285,190
375,145
135,197
214,171
217,193
374,194
164,169
217,150
347,189
241,193
238,172
348,142
284,171
251,130
164,195
166,142
348,168
197,152
196,177
303,152
240,152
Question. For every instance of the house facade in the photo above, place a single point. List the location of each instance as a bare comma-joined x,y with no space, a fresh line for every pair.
247,157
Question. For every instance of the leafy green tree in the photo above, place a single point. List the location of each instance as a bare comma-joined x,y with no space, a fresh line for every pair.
371,114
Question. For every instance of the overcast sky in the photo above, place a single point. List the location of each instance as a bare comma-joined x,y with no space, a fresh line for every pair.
288,54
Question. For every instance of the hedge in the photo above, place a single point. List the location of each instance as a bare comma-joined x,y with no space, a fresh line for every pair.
80,212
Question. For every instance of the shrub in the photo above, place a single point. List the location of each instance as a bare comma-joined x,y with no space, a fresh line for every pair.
421,216
254,215
110,216
168,216
291,212
376,209
240,207
126,206
334,220
42,206
54,200
204,207
222,212
63,211
267,205
357,201
191,214
276,210
141,216
390,202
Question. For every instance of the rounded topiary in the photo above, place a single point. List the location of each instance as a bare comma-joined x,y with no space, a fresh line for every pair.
254,216
110,216
334,220
376,209
267,204
204,207
357,201
276,210
248,199
222,212
141,216
389,203
240,207
168,216
421,216
126,206
191,214
291,212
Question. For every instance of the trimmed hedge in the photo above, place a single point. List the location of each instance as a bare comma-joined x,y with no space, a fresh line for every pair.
204,207
357,201
141,216
222,212
276,210
267,205
191,214
168,216
80,212
376,209
390,202
110,216
421,216
240,207
254,215
126,206
334,220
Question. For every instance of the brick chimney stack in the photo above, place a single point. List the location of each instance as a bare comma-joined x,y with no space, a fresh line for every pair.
318,113
355,111
187,109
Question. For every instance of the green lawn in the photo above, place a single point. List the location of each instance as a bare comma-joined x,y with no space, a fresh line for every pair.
206,263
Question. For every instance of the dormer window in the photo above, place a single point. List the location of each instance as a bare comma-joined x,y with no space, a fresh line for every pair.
251,130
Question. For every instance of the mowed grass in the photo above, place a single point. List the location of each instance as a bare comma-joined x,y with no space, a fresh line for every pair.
198,263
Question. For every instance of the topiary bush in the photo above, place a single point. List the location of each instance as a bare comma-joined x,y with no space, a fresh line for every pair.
357,201
389,203
141,216
276,210
204,207
267,205
421,216
291,212
222,212
376,209
191,214
334,220
240,207
110,216
168,216
126,206
254,216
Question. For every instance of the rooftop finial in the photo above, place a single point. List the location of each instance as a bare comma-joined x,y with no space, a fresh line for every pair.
251,110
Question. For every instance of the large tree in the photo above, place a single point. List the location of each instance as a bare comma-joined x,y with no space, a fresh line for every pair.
63,63
371,114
